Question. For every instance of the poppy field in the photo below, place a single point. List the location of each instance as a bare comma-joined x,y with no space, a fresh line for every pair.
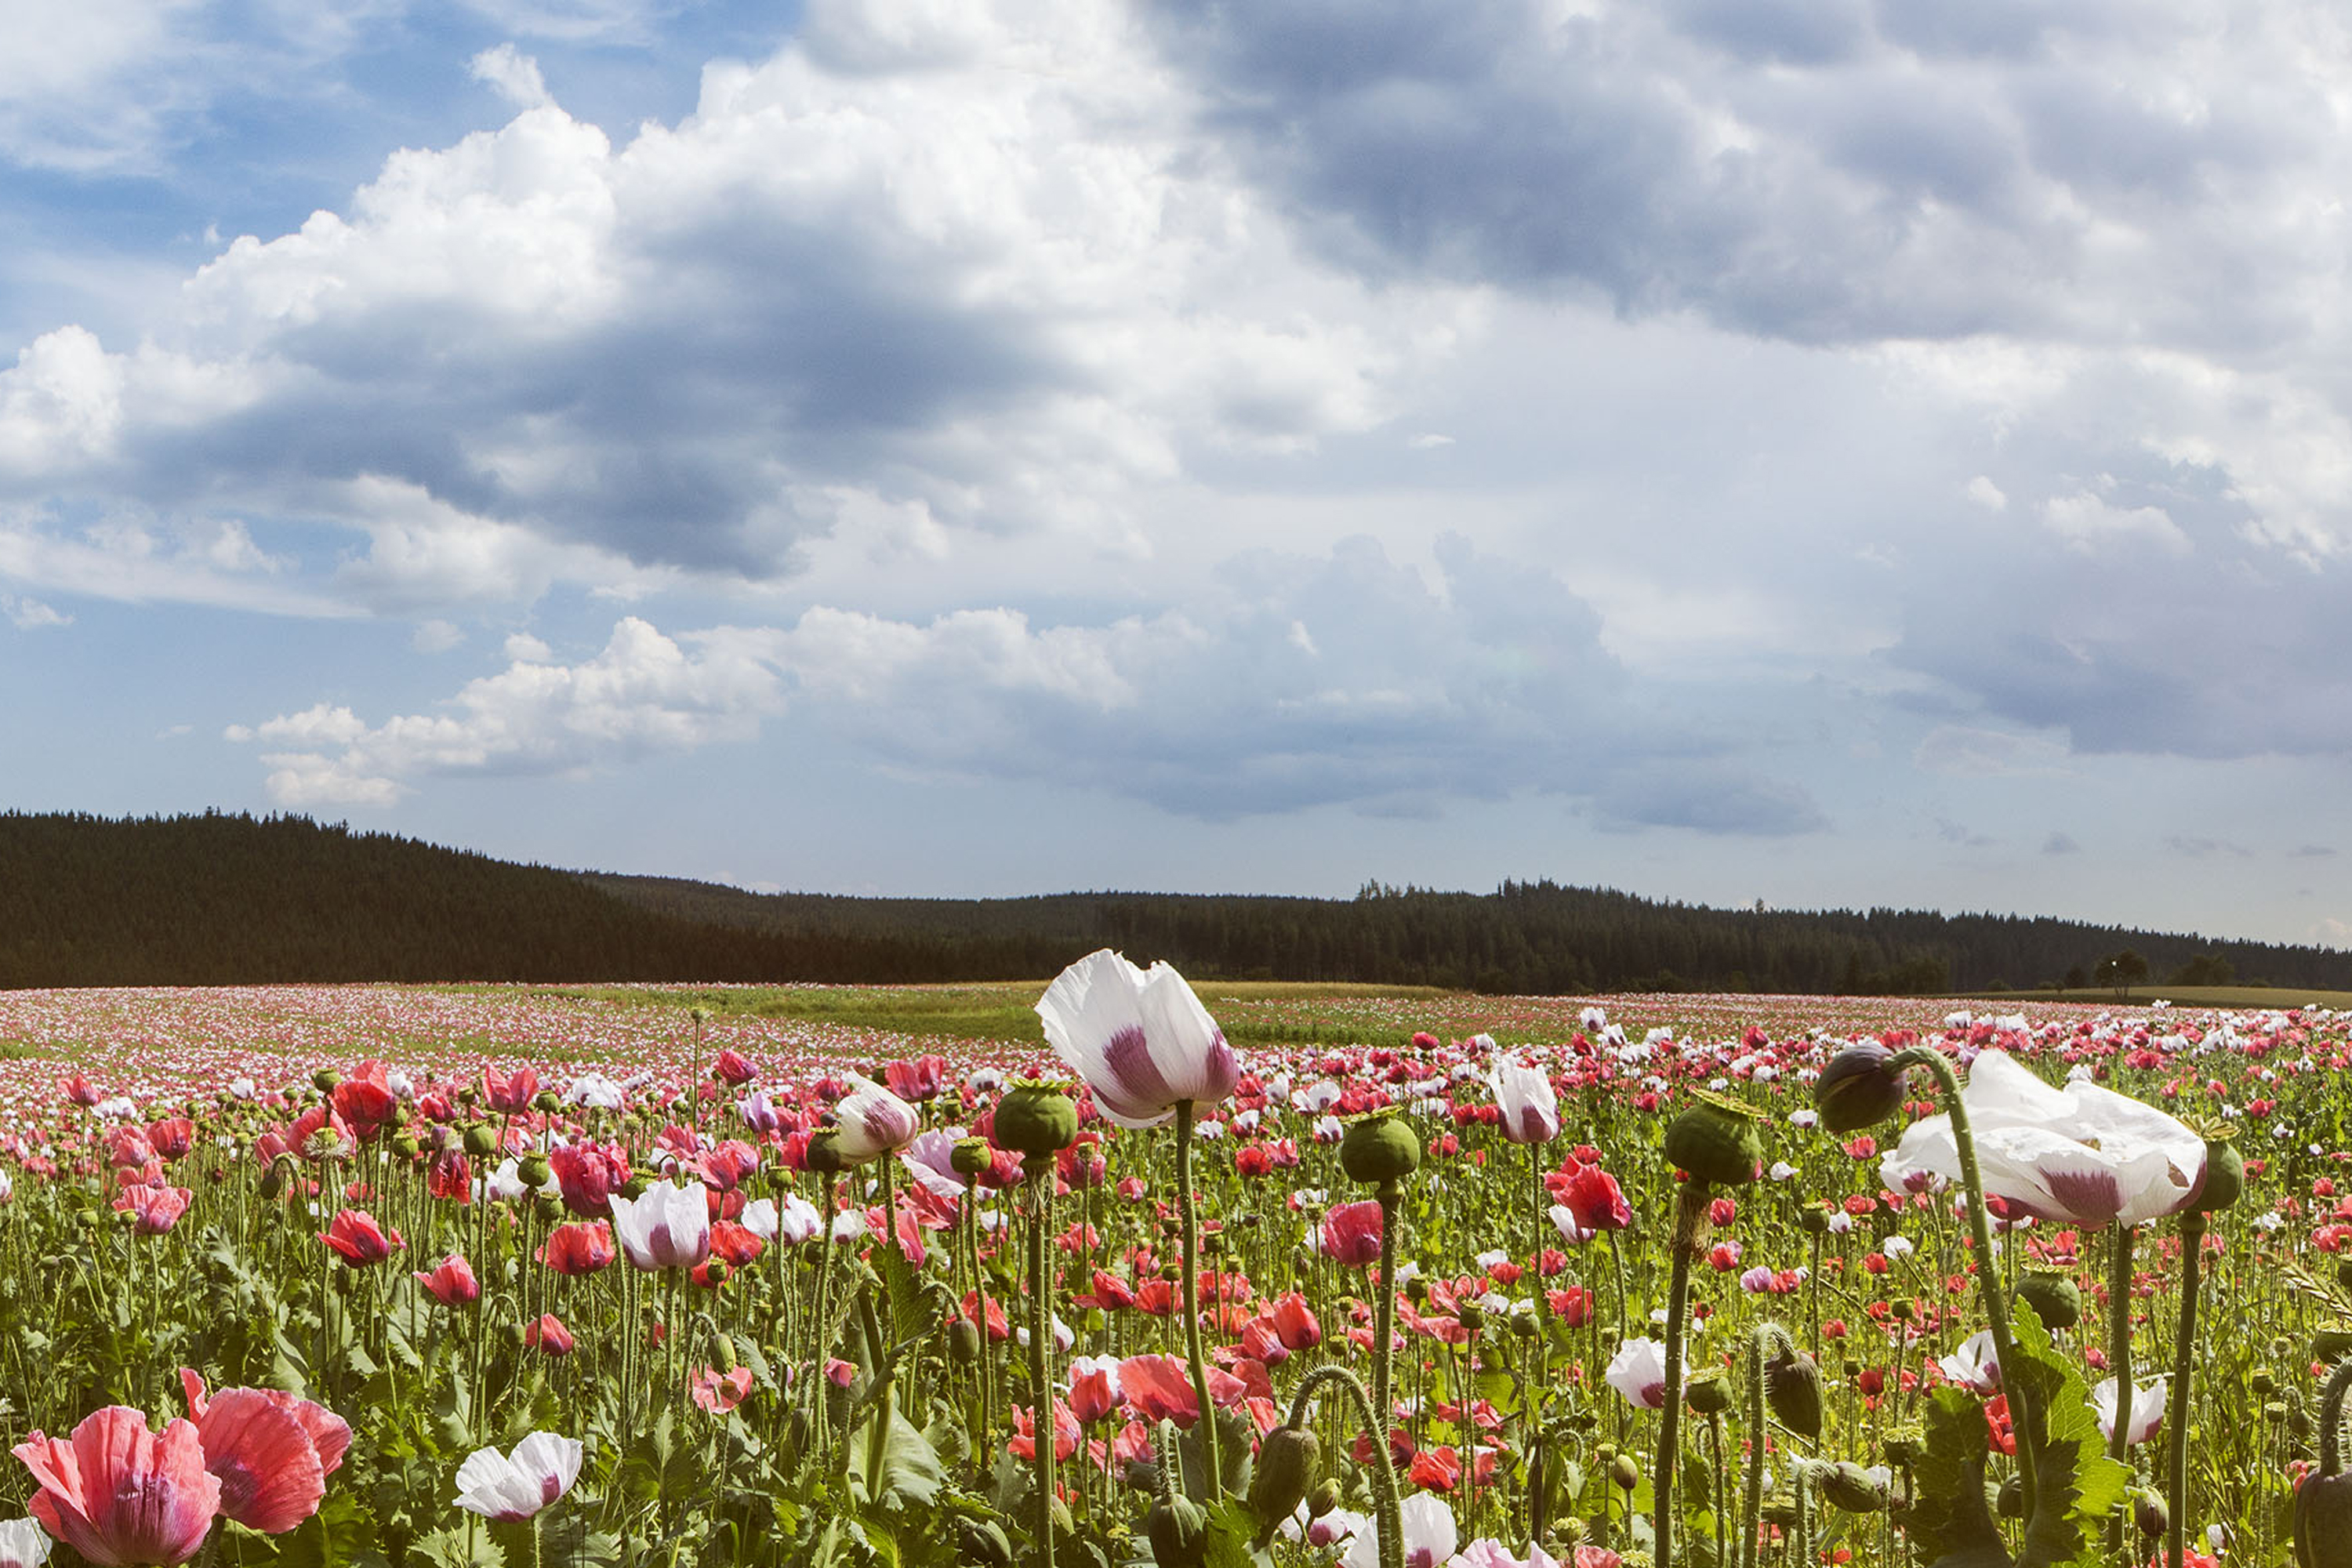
376,1275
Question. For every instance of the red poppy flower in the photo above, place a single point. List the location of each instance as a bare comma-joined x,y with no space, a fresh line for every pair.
453,1283
579,1247
356,1236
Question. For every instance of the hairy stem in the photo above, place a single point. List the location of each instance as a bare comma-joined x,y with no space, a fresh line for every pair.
2176,1531
1212,1481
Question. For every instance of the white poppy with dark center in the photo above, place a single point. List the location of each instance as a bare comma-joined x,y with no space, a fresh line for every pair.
1140,1038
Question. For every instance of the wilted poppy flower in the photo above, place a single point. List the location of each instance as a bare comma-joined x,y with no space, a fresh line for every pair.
120,1494
1142,1040
453,1283
589,1174
668,1228
719,1392
1530,1112
359,1240
516,1486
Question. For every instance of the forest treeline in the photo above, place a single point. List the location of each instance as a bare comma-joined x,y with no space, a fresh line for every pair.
226,899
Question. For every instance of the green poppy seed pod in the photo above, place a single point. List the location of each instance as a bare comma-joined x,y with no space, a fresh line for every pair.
970,1157
1571,1533
2261,1382
2322,1522
983,1542
533,1169
1036,1119
1323,1499
1380,1149
2225,1177
1624,1472
1287,1458
1904,1448
715,1269
2056,1298
1792,1386
1178,1532
481,1141
2330,1345
636,1187
547,1103
2150,1512
1780,1512
1858,1088
1524,1326
1708,1394
823,1153
1716,1142
1471,1316
1848,1486
1813,1220
405,1145
325,1079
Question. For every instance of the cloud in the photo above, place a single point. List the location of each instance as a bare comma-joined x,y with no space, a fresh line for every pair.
1958,749
1287,682
31,614
643,694
2089,524
2061,844
876,271
435,636
513,74
2196,847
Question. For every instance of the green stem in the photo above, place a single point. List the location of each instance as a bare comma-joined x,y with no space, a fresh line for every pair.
1041,1387
1690,1235
1384,1319
2119,1361
1212,1481
1996,1300
1751,1514
2176,1532
1535,1383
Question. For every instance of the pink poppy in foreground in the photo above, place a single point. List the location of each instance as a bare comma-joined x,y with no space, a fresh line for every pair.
118,1493
453,1283
1158,1385
1140,1040
156,1209
272,1476
719,1392
519,1485
1351,1233
548,1335
359,1240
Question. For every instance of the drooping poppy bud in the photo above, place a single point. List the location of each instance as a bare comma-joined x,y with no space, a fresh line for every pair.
1848,1486
1792,1386
2225,1175
1858,1090
1179,1532
2322,1522
1287,1458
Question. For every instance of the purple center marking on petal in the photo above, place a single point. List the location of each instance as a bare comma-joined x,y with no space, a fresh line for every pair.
1138,1087
2091,1197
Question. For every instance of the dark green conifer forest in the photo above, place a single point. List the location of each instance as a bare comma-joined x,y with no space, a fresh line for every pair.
226,899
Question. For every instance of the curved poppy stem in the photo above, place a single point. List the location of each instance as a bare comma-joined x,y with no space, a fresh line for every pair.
1751,1513
1388,1506
1996,1300
2331,1418
2176,1530
1212,1483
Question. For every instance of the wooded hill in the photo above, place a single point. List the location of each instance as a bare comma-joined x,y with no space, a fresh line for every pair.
223,899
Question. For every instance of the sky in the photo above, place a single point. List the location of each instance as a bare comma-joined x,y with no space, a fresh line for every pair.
1834,452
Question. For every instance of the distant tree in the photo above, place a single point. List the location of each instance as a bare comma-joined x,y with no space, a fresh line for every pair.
2075,980
2119,972
2205,969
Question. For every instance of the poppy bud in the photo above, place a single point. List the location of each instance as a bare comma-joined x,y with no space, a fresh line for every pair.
1323,1499
1037,1119
1848,1486
1178,1532
2012,1503
1623,1471
2322,1522
963,1340
1380,1150
636,1187
2150,1512
2055,1297
1708,1394
1858,1090
481,1141
2225,1176
1716,1142
2331,1345
983,1542
1792,1386
1287,1461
